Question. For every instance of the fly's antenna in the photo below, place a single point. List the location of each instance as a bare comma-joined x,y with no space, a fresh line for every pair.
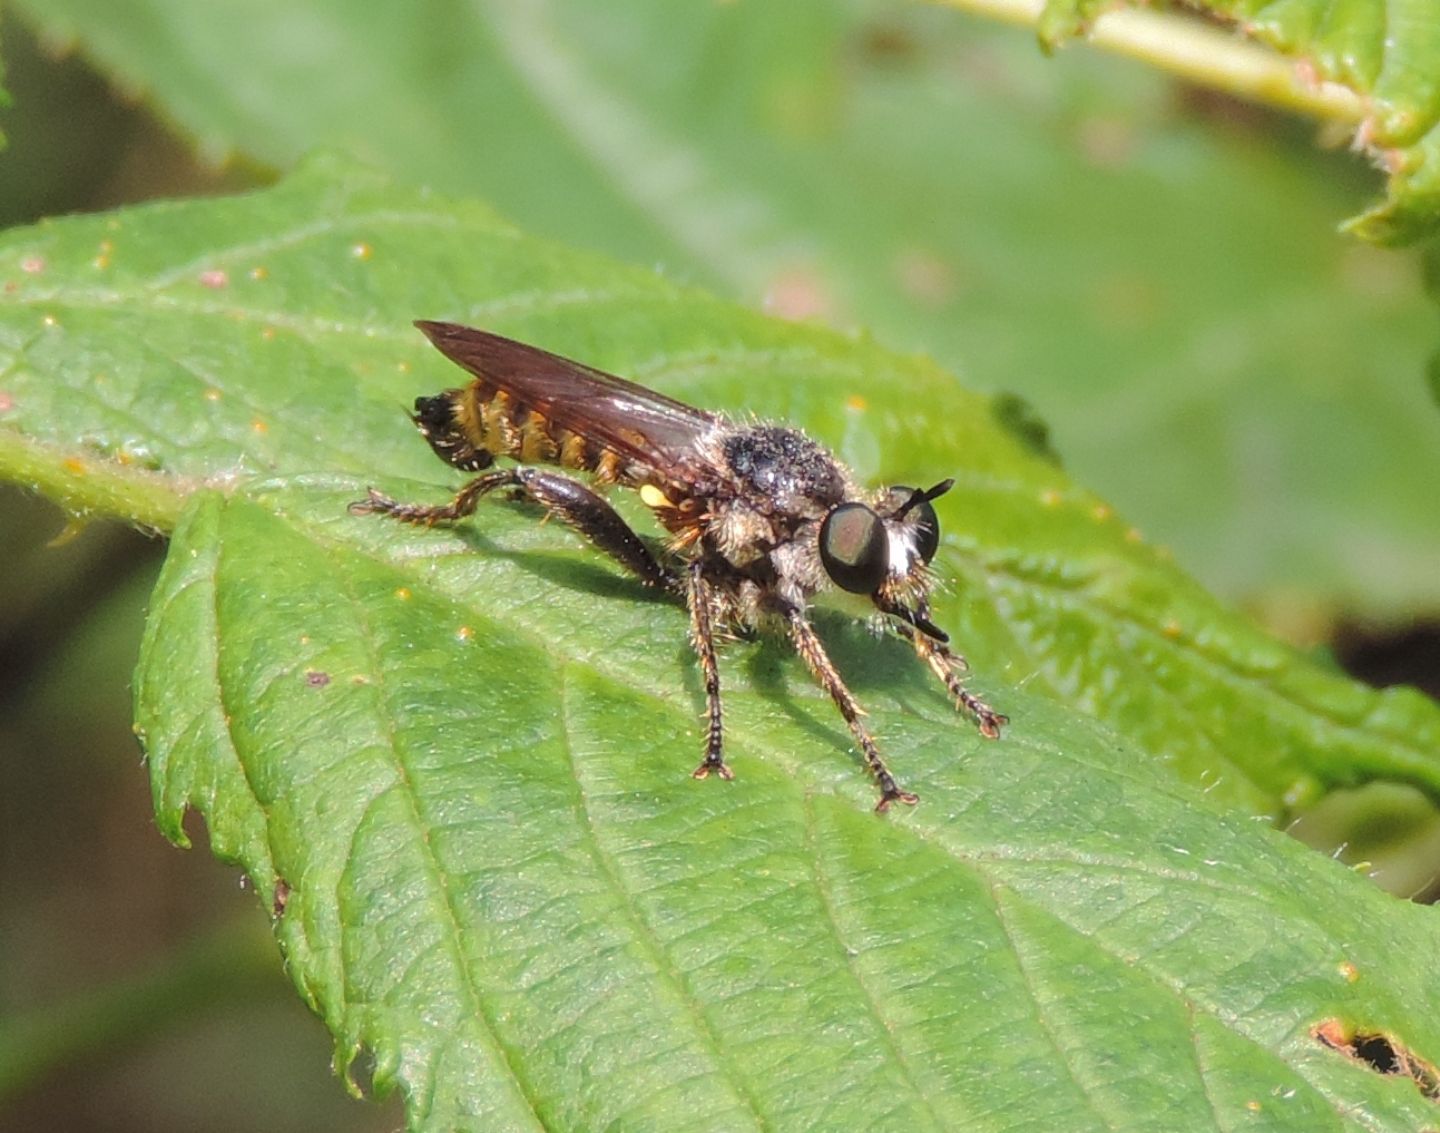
919,497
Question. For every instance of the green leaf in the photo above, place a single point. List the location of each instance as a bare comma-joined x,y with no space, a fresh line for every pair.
154,352
462,759
1157,273
455,761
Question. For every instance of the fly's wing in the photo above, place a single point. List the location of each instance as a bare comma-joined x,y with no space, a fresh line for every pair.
641,425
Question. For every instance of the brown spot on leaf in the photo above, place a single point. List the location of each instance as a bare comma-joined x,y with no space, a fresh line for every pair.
281,898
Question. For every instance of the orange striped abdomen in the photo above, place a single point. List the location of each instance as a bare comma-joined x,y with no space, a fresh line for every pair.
469,427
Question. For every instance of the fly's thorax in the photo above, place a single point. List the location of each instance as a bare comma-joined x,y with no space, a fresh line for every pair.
799,574
763,485
780,471
740,532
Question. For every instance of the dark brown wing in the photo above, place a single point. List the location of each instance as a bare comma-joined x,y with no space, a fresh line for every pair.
640,424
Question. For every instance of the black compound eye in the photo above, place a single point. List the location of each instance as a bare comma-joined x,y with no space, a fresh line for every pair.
854,548
927,523
927,530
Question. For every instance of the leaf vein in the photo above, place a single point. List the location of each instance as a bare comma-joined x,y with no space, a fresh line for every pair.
1027,978
644,934
472,992
824,890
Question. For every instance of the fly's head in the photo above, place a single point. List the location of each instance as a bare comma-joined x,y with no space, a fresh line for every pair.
882,548
798,513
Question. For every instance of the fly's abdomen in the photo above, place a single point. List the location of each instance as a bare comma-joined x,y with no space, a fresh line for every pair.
470,427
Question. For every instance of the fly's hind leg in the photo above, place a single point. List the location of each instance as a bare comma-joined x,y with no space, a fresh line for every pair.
428,515
702,636
568,500
808,645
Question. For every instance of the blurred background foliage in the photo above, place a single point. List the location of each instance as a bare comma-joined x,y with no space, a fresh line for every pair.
1151,269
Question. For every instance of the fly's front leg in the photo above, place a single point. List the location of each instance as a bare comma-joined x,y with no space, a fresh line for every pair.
808,645
702,636
948,665
566,499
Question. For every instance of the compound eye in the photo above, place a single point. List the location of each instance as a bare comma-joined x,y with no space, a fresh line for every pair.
927,523
854,548
927,530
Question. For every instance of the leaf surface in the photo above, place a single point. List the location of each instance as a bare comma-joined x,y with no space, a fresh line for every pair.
455,761
462,764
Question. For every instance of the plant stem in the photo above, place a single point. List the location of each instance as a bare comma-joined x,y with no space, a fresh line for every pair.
1197,51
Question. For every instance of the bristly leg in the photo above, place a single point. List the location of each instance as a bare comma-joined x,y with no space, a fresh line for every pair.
568,500
948,666
702,636
428,515
808,645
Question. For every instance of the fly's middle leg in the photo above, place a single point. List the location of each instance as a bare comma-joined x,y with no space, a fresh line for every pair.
702,636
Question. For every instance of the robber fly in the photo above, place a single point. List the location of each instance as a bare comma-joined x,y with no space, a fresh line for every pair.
761,518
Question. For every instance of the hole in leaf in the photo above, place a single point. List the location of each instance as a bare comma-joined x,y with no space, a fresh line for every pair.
1380,1053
